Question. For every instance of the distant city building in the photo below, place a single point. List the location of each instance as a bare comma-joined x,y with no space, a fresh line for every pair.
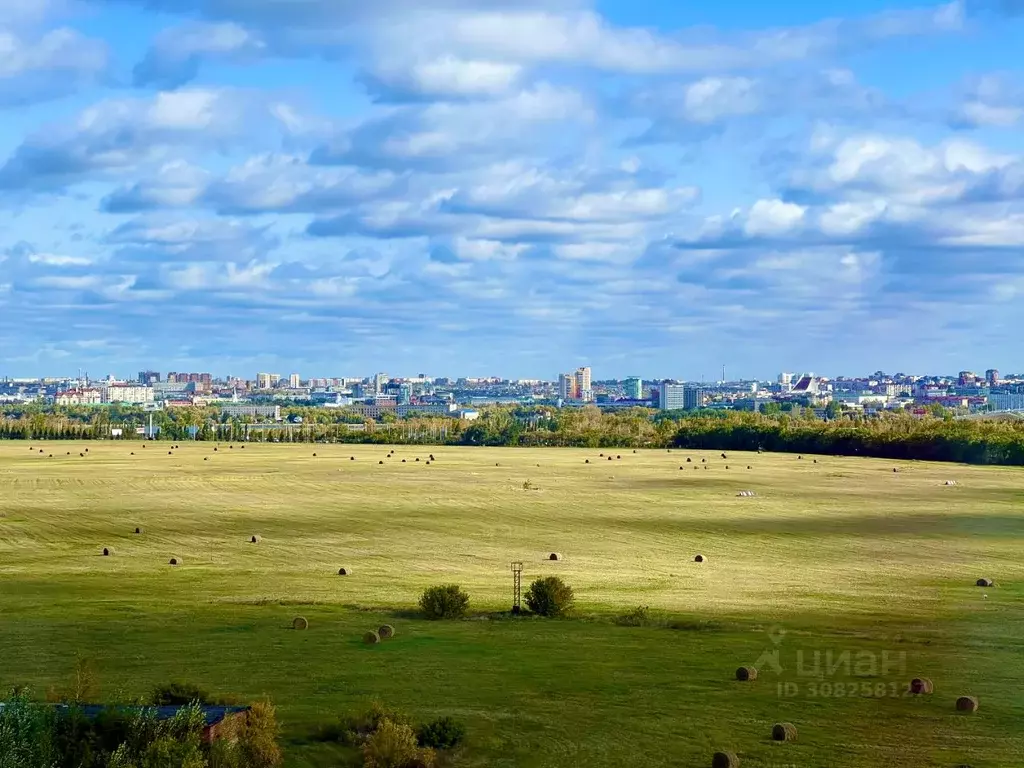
992,377
693,398
1007,401
294,381
84,396
786,382
634,388
404,394
966,379
241,410
671,397
132,394
380,383
149,377
583,388
267,380
807,385
566,386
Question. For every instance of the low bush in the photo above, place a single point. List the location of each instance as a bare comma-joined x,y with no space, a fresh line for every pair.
446,601
179,693
638,617
393,745
443,733
550,596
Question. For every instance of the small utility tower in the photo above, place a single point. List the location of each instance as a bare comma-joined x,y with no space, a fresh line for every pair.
517,587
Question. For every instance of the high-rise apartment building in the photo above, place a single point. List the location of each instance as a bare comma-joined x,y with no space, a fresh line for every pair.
693,398
583,389
634,388
380,383
149,377
670,396
294,382
267,380
992,377
566,386
679,397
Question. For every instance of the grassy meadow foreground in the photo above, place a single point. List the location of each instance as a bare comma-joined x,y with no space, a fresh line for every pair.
840,579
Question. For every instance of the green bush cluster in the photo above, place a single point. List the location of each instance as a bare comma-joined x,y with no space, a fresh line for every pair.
446,601
550,596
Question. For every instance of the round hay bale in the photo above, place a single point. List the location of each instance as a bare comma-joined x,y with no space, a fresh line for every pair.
967,704
699,559
783,732
725,760
749,467
255,539
428,463
133,453
241,447
921,685
689,460
343,571
371,638
41,450
723,456
601,455
299,622
69,452
554,556
744,674
587,461
497,464
417,458
616,456
703,461
314,455
726,466
386,631
351,458
985,583
680,467
108,551
174,561
380,462
894,469
86,450
610,458
170,453
82,455
206,458
139,530
231,447
214,450
799,457
403,461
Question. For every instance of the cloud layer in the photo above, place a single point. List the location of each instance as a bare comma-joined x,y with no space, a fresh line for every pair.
488,186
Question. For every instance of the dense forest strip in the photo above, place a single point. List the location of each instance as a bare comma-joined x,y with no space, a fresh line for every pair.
891,435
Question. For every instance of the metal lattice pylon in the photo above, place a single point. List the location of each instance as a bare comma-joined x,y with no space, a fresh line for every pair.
517,586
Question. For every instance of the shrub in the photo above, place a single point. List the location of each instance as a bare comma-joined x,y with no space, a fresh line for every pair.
257,739
446,601
179,693
638,617
443,733
393,745
550,596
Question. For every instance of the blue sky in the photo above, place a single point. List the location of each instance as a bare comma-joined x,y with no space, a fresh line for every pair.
511,187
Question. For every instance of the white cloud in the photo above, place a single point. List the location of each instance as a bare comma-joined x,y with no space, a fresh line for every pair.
773,218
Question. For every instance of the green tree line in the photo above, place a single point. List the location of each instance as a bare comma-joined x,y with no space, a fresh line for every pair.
890,435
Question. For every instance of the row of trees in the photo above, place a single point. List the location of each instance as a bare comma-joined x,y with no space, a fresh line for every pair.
891,435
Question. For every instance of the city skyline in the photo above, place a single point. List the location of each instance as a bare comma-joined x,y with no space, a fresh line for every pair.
514,186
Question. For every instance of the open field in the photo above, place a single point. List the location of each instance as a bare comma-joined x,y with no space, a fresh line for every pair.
834,557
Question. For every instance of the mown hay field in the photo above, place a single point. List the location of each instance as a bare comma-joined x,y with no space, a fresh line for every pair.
839,579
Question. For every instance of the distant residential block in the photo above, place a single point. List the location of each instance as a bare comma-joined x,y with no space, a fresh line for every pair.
241,410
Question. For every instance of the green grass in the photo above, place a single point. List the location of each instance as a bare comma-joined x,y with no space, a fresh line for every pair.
844,556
